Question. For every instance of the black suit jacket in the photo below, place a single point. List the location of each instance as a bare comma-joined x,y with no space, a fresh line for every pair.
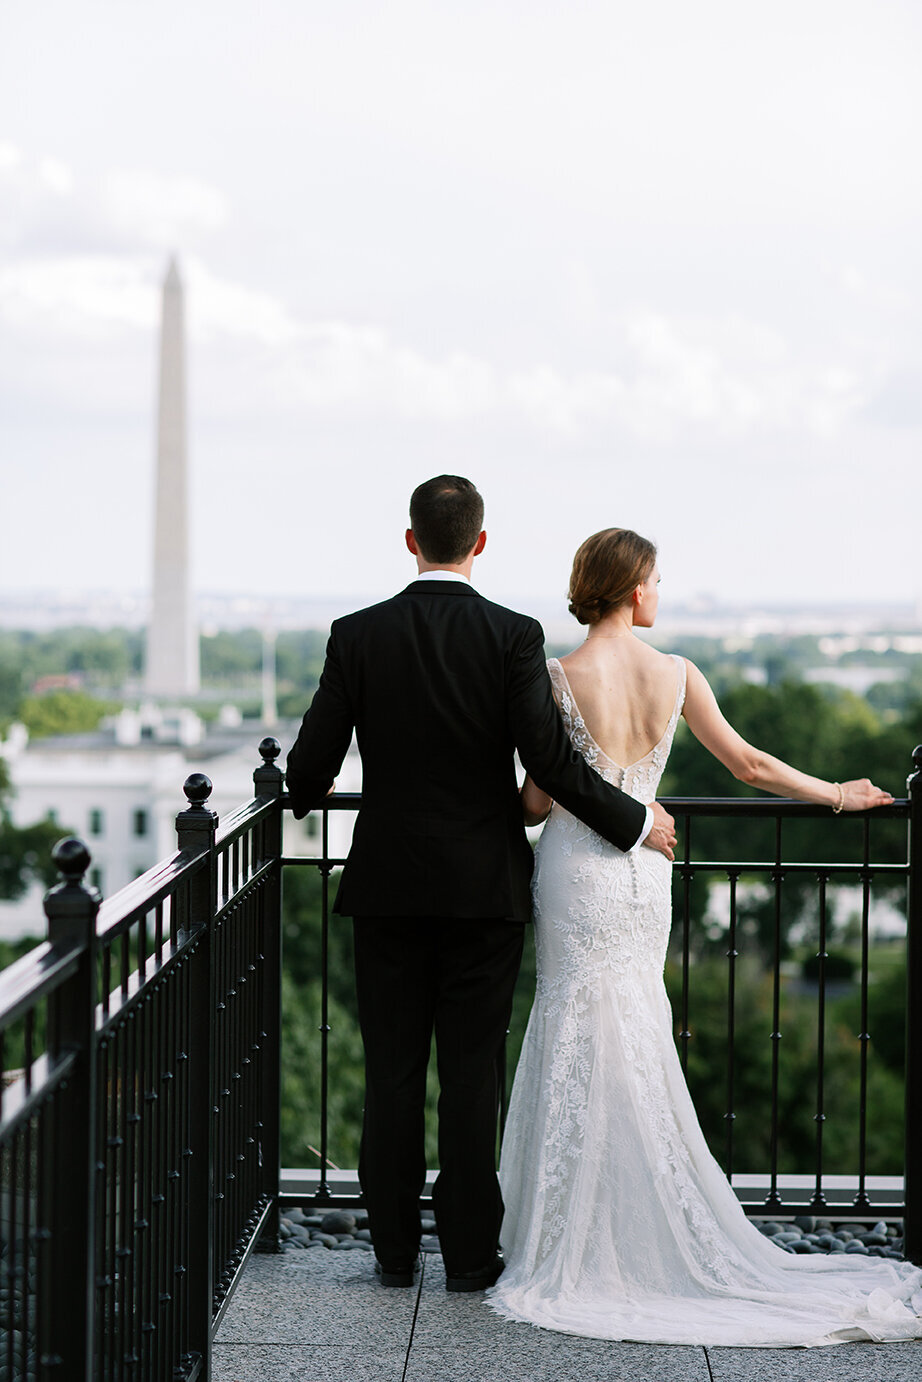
441,686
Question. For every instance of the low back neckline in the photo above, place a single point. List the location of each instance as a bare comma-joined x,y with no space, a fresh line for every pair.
670,723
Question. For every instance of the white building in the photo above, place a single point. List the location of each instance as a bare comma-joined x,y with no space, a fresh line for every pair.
120,789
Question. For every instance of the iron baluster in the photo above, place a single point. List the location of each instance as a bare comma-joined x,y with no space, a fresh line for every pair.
862,1200
687,875
912,1244
819,1199
71,908
268,783
773,1199
732,956
196,828
323,1190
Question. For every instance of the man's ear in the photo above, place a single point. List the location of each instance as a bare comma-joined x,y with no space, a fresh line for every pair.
411,543
480,544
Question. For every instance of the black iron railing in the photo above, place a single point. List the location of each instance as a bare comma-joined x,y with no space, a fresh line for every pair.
871,873
139,1136
139,1050
865,872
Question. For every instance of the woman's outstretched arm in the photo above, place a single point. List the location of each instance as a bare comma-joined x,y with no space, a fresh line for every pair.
758,769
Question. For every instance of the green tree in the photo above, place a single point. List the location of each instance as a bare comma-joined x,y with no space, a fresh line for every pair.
824,731
229,657
302,942
63,712
25,852
708,1071
299,662
25,855
102,658
300,1119
11,688
301,1023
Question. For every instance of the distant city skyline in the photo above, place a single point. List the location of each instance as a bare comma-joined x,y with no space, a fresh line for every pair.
656,267
226,610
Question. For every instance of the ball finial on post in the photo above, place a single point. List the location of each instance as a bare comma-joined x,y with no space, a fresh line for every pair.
269,749
268,778
196,826
72,859
197,788
71,906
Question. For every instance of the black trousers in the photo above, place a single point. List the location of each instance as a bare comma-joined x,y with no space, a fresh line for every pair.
454,978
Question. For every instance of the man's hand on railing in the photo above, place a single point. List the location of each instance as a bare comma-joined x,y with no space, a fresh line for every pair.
662,836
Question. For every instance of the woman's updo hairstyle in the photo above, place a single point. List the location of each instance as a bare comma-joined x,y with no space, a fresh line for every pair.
606,568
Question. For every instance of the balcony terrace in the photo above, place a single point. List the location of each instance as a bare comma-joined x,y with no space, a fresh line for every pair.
319,1316
140,1189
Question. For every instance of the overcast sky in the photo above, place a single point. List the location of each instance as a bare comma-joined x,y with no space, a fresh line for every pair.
654,266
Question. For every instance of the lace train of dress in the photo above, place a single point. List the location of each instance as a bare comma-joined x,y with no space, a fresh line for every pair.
619,1223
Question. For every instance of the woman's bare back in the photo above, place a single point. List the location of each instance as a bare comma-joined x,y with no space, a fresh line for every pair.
625,691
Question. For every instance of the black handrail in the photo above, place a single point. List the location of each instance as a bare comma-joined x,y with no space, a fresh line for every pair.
863,871
139,1132
139,1138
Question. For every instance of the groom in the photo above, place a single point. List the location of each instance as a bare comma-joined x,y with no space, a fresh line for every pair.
441,687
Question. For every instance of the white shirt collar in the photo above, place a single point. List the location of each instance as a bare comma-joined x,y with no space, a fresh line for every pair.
443,576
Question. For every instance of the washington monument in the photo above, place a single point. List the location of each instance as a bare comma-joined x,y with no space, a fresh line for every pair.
172,637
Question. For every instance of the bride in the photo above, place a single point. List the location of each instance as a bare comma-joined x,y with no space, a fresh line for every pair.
619,1223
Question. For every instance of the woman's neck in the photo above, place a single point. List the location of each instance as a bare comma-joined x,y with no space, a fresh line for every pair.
614,625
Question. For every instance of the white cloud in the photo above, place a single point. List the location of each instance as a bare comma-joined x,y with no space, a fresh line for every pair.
727,378
89,295
707,372
10,156
853,279
84,296
41,204
56,176
658,373
163,211
837,393
864,290
44,201
29,181
343,365
218,307
566,405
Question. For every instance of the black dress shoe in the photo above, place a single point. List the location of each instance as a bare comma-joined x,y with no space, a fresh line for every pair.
396,1276
475,1281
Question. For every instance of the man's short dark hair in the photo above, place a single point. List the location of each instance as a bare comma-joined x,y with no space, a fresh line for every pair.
446,515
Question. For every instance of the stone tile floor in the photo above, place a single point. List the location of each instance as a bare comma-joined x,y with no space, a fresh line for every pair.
320,1316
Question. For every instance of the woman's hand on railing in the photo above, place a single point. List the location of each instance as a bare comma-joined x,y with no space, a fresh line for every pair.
862,795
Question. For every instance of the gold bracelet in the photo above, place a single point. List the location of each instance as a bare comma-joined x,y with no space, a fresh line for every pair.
837,809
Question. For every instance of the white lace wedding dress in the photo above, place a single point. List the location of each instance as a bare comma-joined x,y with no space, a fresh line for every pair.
619,1223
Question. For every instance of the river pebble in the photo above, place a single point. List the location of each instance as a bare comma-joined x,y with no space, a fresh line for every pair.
347,1230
